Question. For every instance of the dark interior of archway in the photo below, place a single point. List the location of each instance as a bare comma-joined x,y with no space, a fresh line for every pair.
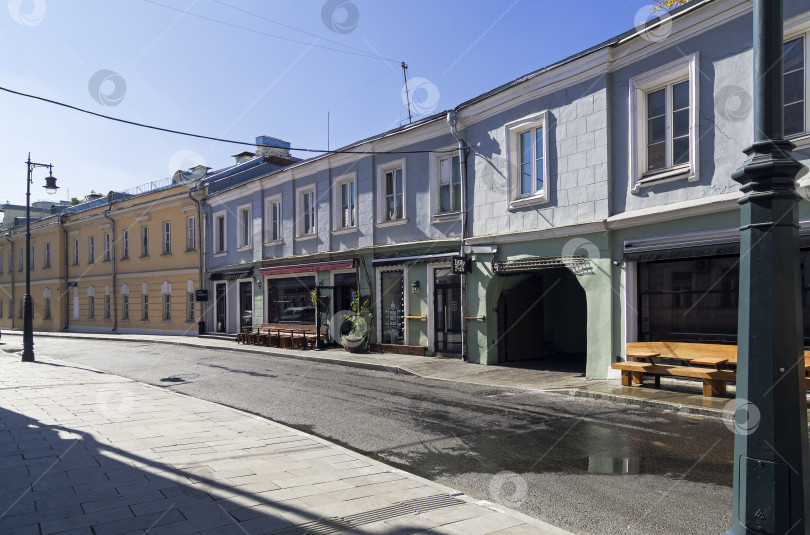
555,300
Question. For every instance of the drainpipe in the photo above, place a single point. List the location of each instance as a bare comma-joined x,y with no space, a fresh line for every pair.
110,199
13,303
452,120
67,279
196,187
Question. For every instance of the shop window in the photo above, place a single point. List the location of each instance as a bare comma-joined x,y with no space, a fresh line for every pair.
289,300
392,307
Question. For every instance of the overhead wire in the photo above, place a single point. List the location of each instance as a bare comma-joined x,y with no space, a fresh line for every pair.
200,136
217,21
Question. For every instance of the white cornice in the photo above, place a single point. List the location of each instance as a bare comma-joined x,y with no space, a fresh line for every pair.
678,210
554,232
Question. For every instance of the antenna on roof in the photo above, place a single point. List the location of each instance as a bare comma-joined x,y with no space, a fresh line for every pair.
407,94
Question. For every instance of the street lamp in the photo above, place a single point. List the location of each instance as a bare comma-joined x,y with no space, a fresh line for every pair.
28,322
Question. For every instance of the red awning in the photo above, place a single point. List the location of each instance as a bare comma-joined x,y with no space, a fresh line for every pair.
306,268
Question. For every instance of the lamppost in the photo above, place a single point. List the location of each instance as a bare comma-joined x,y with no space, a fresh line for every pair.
770,417
28,321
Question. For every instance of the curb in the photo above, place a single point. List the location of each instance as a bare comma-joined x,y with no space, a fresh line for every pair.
648,404
240,349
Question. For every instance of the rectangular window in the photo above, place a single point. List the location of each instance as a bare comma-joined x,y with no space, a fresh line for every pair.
531,161
347,204
31,260
527,147
795,90
273,221
145,307
668,127
107,246
47,259
22,259
106,306
289,300
144,241
245,227
220,245
664,124
76,252
46,302
191,233
167,237
189,306
91,307
306,212
167,307
125,307
91,249
394,195
449,174
125,245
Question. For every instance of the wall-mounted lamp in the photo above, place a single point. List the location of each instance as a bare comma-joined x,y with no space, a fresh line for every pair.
415,287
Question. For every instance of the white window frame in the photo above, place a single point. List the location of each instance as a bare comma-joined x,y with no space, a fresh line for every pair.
76,251
512,133
273,227
91,249
125,302
144,241
166,235
244,238
191,234
107,246
667,75
435,184
46,304
795,31
220,235
301,194
382,213
339,182
47,259
189,306
125,245
91,303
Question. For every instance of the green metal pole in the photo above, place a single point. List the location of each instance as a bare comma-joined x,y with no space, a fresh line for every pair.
770,444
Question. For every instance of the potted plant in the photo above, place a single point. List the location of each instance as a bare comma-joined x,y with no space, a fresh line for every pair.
357,339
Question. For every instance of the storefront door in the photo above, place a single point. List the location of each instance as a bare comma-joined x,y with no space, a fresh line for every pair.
245,305
221,307
392,307
447,311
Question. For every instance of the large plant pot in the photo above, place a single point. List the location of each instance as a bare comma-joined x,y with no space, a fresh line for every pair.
354,345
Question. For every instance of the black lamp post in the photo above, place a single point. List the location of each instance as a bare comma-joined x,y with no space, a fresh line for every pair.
770,420
28,321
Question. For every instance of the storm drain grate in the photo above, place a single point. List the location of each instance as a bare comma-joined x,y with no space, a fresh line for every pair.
337,524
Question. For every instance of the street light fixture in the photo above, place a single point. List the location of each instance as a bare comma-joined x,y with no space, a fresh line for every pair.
28,325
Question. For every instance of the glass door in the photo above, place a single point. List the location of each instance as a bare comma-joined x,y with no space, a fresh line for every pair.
447,311
245,305
392,307
221,307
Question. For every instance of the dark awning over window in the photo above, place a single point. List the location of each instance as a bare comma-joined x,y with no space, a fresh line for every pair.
232,275
308,268
724,246
410,260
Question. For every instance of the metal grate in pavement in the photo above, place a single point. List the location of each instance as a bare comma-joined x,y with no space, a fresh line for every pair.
415,506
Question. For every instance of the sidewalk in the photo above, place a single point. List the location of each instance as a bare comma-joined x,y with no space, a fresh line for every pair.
686,398
82,451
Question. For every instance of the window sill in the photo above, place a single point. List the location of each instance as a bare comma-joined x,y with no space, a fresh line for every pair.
124,258
244,248
305,238
522,202
166,254
105,261
221,254
347,230
394,223
802,141
447,217
675,173
274,242
144,256
190,251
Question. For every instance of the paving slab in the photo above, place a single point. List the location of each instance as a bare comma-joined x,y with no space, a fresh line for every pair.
95,453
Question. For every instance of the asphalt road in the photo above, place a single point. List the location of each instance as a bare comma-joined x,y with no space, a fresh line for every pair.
588,466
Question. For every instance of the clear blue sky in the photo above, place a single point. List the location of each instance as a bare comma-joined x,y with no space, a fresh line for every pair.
187,73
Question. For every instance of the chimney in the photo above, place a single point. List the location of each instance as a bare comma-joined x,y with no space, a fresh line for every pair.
270,146
243,156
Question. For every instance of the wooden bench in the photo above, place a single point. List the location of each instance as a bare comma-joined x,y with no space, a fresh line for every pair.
715,364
